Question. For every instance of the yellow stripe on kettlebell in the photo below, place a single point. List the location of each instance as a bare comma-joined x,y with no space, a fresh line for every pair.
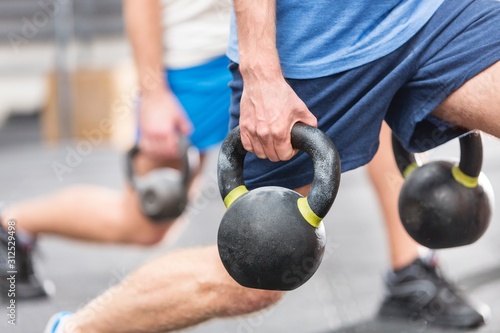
308,213
409,169
464,179
234,194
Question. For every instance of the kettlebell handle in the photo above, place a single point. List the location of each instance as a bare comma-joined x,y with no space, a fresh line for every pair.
309,139
129,165
185,162
471,155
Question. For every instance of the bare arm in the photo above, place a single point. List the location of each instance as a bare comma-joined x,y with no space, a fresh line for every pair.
269,106
161,116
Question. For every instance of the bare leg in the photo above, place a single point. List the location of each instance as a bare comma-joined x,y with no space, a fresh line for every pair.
90,213
475,105
178,290
387,181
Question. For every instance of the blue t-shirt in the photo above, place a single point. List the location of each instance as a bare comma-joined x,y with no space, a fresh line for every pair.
322,37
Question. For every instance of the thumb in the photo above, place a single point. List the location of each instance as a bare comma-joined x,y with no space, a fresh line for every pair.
309,119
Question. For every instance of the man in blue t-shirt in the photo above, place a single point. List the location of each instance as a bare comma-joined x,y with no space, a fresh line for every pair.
426,67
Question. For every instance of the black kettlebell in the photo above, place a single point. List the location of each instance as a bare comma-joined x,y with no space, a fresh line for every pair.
442,204
162,192
271,237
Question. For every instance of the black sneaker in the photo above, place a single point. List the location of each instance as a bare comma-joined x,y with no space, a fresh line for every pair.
420,295
17,276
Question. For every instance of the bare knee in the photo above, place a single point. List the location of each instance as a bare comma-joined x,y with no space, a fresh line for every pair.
235,300
147,236
133,227
140,230
230,298
252,300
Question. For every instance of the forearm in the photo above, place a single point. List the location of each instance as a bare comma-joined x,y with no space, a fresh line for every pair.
268,107
143,22
256,21
161,117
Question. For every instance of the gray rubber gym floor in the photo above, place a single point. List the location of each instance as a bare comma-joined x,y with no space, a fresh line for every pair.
343,296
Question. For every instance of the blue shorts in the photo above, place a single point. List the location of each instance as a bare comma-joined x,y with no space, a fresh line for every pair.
404,87
204,94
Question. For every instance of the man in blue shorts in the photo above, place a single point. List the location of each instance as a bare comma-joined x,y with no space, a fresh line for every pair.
429,68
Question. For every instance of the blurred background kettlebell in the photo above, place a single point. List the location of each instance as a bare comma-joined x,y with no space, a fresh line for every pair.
163,192
272,237
444,204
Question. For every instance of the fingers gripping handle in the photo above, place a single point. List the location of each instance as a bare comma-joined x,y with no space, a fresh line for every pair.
306,138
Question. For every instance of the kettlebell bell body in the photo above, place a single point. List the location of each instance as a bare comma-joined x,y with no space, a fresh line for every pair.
272,237
442,204
271,246
162,192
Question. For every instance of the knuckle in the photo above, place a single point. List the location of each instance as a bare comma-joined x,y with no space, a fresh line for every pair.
263,132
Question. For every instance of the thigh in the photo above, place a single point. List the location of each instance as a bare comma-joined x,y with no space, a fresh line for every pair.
460,41
476,104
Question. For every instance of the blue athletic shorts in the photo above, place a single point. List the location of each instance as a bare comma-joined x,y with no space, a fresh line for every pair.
404,87
204,94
